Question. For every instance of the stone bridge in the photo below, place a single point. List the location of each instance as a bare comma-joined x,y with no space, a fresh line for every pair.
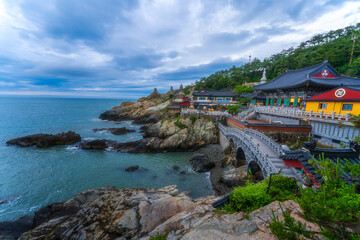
258,150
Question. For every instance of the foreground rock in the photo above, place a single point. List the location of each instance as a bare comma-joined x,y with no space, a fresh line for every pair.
201,163
115,131
46,140
108,213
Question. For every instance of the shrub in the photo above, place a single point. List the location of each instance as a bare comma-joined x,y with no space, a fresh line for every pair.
159,237
180,124
193,119
165,110
334,206
253,196
355,120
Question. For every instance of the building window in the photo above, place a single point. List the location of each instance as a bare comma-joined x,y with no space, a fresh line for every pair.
228,98
347,107
202,98
212,98
322,106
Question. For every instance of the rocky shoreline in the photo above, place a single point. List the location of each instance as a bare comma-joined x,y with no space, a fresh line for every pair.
139,213
108,213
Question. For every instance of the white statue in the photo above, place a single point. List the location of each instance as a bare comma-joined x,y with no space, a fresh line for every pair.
263,79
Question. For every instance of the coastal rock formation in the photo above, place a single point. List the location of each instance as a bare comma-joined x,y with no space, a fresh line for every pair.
183,133
164,136
46,140
145,110
115,131
201,163
107,213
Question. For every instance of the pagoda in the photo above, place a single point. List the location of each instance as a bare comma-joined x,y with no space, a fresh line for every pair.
293,86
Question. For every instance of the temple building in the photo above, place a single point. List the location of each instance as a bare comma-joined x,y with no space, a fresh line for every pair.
341,100
257,98
210,99
293,86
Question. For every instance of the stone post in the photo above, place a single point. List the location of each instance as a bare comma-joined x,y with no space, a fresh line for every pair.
321,114
333,115
347,117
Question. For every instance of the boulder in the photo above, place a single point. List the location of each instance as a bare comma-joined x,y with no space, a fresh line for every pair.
46,140
115,131
132,168
96,144
234,176
201,163
107,213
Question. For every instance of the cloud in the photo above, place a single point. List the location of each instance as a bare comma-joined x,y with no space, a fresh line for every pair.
128,47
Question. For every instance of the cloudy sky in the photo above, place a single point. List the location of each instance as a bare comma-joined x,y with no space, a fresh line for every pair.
125,48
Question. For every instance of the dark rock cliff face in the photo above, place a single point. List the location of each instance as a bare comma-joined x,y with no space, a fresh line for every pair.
46,140
115,131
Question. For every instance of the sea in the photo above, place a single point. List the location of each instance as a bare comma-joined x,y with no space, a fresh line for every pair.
31,178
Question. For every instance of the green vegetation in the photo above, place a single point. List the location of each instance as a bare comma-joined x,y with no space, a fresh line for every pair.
165,110
193,118
159,237
253,196
179,124
334,206
239,89
335,46
355,120
233,109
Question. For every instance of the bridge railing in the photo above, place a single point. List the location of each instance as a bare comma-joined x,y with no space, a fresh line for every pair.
294,112
208,113
261,157
269,141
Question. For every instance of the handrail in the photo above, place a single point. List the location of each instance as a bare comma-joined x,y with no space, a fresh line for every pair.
284,111
269,141
262,158
186,111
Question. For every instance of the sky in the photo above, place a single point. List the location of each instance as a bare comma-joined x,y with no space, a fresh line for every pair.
125,48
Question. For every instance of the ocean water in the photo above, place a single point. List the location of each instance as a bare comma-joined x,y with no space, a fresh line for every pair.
31,178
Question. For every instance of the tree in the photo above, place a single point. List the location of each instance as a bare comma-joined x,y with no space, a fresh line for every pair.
239,89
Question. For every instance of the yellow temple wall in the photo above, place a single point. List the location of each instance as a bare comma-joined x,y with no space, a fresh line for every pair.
333,107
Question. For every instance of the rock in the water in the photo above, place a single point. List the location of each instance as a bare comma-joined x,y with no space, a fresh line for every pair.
175,167
96,144
132,168
234,176
116,131
46,140
201,163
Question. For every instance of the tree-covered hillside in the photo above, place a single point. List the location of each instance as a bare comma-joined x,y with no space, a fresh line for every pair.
335,46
